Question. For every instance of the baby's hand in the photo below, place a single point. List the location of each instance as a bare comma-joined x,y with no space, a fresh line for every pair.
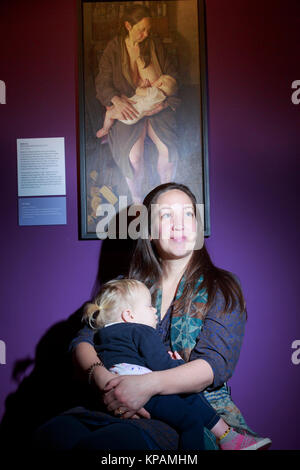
174,355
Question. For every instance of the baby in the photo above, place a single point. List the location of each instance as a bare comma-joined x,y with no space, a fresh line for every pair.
144,100
128,344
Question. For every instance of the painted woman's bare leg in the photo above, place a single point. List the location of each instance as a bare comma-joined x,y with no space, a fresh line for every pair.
136,157
164,167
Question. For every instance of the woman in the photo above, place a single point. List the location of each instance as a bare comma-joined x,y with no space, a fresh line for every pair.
117,79
201,315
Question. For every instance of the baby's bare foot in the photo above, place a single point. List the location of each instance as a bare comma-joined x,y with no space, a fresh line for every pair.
101,133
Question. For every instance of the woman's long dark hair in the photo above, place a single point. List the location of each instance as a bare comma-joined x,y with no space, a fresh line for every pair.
145,265
133,15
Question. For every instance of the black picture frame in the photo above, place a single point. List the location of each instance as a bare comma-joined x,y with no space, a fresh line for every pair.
101,181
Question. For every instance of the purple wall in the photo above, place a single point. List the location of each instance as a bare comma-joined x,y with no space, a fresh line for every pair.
254,149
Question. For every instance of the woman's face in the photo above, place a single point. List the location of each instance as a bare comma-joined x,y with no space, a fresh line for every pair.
175,225
139,31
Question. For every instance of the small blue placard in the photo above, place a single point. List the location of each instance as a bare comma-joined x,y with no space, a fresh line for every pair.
42,211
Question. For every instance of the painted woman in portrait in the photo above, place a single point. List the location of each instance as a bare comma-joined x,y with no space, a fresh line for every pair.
134,60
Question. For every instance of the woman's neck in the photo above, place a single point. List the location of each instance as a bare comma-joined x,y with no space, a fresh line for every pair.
173,269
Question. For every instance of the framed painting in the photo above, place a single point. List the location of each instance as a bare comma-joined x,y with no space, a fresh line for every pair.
142,105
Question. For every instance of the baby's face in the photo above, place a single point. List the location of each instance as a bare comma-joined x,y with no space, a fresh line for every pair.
163,85
142,310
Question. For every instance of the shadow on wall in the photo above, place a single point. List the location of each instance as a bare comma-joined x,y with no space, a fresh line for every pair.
52,386
47,390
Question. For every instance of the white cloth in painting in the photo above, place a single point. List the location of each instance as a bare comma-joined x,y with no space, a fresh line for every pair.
144,104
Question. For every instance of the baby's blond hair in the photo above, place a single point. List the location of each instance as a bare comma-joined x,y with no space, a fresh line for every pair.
112,298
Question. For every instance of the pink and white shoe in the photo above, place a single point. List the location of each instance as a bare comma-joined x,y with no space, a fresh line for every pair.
241,440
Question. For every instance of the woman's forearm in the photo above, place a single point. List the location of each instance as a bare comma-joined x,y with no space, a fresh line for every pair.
192,377
115,99
132,392
84,356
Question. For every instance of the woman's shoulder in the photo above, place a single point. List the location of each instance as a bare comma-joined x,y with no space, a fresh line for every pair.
227,289
235,296
114,44
228,274
235,277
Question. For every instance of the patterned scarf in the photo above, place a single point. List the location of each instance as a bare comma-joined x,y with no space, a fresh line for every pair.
185,326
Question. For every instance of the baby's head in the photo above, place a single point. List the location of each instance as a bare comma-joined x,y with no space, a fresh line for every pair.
166,84
121,300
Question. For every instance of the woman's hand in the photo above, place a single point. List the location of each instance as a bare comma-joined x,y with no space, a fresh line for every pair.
157,109
124,108
101,380
129,393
